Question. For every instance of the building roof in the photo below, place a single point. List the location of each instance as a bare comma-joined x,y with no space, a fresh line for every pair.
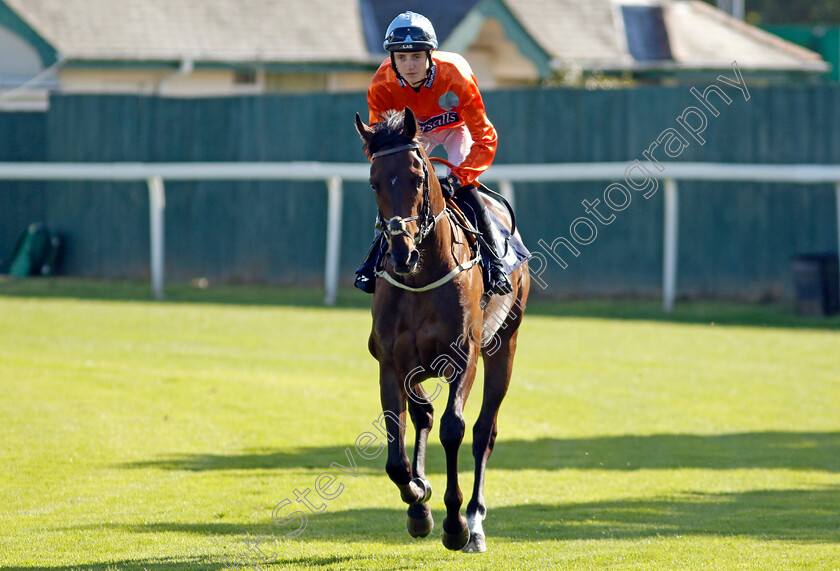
571,30
705,36
202,30
590,34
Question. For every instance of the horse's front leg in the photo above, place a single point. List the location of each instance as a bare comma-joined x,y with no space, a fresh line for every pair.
455,531
393,397
420,522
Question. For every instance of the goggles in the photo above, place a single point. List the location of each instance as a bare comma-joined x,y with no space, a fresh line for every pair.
400,34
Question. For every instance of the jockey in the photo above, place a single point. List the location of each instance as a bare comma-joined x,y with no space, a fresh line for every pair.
442,92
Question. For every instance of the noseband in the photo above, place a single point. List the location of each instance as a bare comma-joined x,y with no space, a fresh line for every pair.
395,226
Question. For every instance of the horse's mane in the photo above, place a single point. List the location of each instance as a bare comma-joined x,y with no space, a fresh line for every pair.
388,133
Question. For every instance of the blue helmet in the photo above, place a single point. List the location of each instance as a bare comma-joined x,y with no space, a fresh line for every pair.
410,32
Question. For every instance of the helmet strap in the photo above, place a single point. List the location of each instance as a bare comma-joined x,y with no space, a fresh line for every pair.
394,67
431,64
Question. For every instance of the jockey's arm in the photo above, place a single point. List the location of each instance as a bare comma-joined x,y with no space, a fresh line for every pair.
483,134
376,106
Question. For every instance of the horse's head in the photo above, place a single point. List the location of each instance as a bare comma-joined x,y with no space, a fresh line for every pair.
399,175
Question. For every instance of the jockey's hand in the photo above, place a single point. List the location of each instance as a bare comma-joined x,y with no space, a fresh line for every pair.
449,185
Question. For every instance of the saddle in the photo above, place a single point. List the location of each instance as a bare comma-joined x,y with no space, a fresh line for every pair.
514,252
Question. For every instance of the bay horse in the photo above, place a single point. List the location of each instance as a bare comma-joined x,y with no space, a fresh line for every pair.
432,319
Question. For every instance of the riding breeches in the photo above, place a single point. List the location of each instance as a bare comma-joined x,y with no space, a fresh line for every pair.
455,141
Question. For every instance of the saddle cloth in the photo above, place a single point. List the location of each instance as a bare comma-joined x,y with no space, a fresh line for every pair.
517,253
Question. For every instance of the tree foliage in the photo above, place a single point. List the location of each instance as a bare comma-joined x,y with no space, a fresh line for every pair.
766,12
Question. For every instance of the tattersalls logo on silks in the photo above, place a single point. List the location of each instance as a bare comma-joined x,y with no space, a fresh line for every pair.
448,118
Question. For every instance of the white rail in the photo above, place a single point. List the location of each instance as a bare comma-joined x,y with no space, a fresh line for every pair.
335,173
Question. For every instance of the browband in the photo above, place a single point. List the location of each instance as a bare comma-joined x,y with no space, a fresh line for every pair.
408,147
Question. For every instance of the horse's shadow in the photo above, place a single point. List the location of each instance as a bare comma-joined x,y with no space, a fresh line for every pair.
205,563
314,458
763,450
161,564
768,515
777,515
803,515
782,515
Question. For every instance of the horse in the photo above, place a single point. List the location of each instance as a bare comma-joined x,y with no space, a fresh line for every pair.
432,319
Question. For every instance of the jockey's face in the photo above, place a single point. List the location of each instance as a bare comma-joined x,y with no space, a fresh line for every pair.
412,66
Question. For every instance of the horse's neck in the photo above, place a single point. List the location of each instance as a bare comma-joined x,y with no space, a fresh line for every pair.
437,246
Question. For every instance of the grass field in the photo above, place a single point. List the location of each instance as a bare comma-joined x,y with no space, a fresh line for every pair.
143,435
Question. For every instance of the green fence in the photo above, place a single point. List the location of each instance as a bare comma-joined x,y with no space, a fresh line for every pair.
22,138
735,239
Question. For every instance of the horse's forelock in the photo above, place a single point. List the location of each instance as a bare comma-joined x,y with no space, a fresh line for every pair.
387,133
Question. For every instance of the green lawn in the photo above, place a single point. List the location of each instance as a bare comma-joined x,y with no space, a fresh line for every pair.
146,435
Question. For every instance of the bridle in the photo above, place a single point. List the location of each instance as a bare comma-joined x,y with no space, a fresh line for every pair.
395,226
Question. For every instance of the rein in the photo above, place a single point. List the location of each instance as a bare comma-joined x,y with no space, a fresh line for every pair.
395,226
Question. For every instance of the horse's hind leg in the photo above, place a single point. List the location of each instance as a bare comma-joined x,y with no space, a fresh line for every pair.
497,371
420,522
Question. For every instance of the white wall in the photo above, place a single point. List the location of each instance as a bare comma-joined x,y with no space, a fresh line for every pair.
18,60
204,83
196,83
496,61
19,64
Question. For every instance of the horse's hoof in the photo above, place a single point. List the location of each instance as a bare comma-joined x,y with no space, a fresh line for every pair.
424,485
419,522
476,544
455,541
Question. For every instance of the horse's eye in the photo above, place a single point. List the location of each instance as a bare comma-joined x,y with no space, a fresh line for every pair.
373,188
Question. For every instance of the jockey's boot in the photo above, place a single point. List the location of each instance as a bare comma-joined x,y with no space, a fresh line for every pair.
366,274
499,281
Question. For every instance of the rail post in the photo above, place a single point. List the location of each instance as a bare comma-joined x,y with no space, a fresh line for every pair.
671,240
333,257
157,206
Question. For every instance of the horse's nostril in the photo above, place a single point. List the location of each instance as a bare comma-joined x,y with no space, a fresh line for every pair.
403,261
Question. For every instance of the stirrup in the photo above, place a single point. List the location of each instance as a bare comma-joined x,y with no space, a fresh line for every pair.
366,274
366,278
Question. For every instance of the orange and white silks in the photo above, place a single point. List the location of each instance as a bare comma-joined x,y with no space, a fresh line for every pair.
449,98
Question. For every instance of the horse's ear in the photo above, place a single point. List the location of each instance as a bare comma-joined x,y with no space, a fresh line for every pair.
410,123
365,132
